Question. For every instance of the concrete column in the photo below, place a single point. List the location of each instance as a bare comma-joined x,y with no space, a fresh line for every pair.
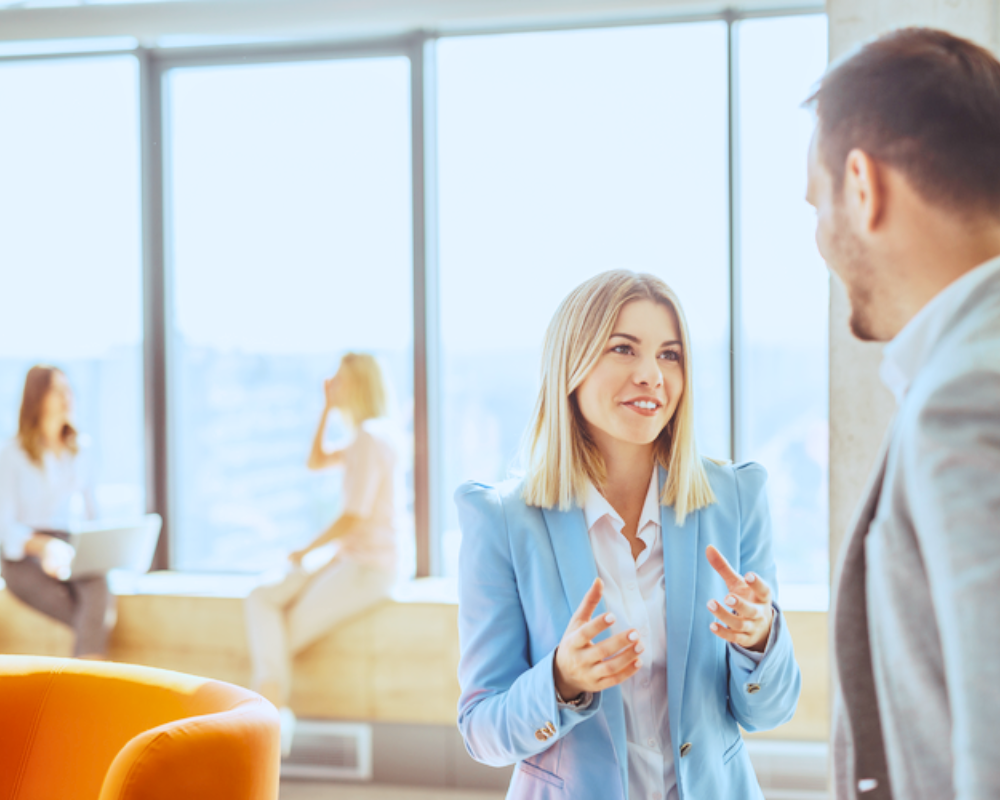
860,407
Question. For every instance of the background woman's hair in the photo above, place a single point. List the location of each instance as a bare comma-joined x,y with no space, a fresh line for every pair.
365,395
561,456
29,426
926,103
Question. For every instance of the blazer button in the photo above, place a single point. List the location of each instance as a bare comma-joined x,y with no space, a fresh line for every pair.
685,749
550,728
753,688
541,735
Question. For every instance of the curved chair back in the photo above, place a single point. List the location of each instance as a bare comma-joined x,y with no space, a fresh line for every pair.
85,729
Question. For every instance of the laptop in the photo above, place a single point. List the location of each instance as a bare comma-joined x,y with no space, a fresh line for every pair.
104,545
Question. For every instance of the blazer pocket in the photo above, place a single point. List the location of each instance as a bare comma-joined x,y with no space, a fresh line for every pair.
542,774
732,750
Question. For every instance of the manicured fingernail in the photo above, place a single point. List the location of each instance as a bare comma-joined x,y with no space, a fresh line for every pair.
714,627
609,618
730,601
751,577
634,636
713,605
638,662
639,648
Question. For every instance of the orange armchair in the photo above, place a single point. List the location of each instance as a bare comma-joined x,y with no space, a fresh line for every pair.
99,731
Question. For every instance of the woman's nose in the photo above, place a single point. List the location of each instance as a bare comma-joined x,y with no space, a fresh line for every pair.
648,374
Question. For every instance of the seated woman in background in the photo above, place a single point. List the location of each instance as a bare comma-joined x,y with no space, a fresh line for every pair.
41,471
618,514
286,615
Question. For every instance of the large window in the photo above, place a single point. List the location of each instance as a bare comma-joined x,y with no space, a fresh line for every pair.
291,227
70,254
290,243
564,155
784,296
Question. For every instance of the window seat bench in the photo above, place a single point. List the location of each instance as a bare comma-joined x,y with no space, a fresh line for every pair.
395,662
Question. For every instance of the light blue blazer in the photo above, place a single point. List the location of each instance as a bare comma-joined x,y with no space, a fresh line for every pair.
524,570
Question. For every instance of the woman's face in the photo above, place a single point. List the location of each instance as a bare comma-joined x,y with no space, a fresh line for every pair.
57,407
633,390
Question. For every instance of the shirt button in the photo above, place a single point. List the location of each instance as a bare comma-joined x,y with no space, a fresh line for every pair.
645,684
753,688
651,742
685,749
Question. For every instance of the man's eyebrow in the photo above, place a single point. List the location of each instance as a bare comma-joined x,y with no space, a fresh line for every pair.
637,340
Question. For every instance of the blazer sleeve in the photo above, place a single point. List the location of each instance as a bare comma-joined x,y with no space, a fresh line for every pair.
762,694
952,467
505,699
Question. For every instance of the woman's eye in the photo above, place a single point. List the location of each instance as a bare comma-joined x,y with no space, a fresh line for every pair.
622,349
670,355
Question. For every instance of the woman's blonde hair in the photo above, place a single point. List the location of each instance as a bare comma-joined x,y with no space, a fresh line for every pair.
364,395
37,385
561,455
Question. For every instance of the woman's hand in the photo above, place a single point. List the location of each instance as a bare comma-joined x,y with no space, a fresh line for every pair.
296,556
582,666
56,558
330,392
746,615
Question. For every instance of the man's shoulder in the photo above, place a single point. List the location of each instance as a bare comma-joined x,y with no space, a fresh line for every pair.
967,354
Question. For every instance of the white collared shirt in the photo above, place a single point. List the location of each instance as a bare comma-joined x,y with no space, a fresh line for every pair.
49,497
904,356
635,592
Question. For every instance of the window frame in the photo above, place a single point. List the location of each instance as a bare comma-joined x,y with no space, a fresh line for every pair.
420,49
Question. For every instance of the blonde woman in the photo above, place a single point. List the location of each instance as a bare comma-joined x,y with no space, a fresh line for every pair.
286,615
619,515
42,470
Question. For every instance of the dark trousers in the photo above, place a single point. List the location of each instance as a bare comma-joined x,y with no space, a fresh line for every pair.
85,604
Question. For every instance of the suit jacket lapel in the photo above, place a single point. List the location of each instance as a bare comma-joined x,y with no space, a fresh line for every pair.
853,672
577,571
680,566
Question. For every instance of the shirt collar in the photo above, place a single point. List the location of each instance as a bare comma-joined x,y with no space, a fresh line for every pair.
597,507
906,354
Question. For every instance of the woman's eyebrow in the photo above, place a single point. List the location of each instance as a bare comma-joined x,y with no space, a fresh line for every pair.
637,340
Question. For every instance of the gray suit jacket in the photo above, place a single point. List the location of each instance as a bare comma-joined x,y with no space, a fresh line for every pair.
916,616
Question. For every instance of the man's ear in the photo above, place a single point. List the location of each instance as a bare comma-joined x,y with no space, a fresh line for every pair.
864,191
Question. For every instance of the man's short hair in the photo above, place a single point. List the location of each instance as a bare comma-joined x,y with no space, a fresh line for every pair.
926,103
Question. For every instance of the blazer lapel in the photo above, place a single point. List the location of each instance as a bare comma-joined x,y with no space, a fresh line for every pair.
854,679
577,571
680,567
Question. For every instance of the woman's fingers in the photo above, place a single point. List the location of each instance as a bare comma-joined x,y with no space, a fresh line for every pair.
628,640
586,633
619,669
728,634
759,587
719,563
588,605
736,618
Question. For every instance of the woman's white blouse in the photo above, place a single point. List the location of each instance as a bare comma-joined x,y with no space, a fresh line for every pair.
49,497
635,592
369,493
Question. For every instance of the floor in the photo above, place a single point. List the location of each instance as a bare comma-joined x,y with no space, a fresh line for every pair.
304,790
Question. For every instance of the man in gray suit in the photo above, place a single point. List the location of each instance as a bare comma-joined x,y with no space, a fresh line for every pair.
904,173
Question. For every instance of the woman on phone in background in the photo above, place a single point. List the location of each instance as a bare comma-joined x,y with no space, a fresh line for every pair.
618,514
283,616
42,470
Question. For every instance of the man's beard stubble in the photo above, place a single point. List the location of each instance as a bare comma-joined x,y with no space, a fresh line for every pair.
857,274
